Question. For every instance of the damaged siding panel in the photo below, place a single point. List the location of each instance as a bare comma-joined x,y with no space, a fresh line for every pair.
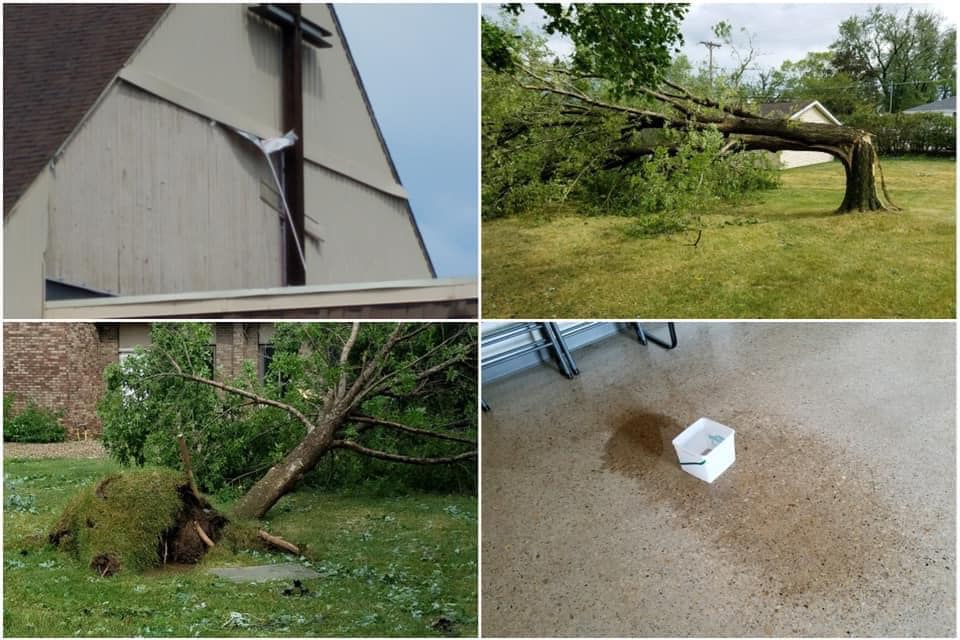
365,235
221,52
150,198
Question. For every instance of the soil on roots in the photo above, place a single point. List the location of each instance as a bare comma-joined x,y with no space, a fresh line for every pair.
137,520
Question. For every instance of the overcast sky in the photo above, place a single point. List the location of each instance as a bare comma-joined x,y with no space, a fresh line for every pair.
780,31
419,66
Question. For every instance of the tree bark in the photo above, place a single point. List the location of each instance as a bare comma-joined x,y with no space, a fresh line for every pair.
282,477
865,187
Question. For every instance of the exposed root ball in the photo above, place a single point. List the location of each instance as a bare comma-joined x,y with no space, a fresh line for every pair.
136,520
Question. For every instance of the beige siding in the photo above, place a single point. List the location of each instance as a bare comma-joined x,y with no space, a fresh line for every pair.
338,131
24,240
364,235
814,115
221,52
149,198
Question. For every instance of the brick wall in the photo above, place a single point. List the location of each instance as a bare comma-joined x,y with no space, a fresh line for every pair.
59,366
235,342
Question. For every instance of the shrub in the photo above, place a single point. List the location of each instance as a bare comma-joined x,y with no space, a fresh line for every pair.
33,424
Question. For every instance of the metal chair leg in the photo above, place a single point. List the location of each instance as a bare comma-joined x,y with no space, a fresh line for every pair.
558,350
564,349
644,336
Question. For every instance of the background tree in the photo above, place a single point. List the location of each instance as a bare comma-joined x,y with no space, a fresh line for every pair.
905,60
814,77
401,393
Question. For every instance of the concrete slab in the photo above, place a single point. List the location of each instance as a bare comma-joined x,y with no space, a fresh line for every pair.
265,572
837,518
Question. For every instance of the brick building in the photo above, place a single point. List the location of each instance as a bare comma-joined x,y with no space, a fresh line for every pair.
60,365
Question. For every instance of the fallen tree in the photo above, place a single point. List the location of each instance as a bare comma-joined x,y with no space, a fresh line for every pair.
865,189
606,96
374,390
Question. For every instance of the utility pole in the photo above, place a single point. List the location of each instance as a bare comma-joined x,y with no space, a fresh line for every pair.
710,47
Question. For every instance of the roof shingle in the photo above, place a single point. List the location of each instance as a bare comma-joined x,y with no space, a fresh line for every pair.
57,59
781,110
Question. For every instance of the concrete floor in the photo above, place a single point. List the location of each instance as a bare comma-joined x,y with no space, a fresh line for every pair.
837,518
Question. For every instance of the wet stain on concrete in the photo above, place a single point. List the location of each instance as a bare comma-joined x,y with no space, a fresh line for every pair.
796,507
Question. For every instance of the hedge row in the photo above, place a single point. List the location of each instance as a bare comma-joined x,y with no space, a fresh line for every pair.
909,133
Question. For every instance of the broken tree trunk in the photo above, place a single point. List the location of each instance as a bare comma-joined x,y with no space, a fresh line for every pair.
864,189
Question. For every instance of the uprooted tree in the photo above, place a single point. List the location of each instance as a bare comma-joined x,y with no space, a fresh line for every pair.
621,92
401,393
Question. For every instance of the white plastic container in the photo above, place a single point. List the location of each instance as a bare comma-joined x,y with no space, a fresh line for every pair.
705,449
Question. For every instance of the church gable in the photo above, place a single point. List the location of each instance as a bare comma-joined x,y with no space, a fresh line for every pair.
154,190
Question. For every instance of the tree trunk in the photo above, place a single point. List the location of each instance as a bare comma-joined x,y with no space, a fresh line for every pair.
864,191
282,477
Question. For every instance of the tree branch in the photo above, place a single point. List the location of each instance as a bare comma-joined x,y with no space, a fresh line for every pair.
244,393
396,457
407,429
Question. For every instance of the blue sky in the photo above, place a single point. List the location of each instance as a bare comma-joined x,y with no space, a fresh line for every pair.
419,67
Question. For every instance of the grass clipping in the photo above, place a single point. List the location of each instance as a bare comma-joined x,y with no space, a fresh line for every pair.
137,520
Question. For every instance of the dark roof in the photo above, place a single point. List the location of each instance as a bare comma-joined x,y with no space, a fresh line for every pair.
57,59
947,104
782,109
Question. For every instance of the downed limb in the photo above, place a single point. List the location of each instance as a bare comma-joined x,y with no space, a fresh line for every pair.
277,541
396,457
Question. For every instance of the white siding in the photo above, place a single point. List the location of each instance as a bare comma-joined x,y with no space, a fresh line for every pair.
149,198
364,235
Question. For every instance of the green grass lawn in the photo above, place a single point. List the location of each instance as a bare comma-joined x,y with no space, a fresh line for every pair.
784,255
389,566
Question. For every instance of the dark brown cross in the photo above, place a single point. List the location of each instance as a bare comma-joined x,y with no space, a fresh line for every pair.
296,30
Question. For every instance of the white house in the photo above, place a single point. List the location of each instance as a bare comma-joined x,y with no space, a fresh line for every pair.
804,111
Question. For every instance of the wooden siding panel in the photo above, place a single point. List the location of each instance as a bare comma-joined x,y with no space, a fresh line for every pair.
221,52
338,130
24,240
366,236
149,198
